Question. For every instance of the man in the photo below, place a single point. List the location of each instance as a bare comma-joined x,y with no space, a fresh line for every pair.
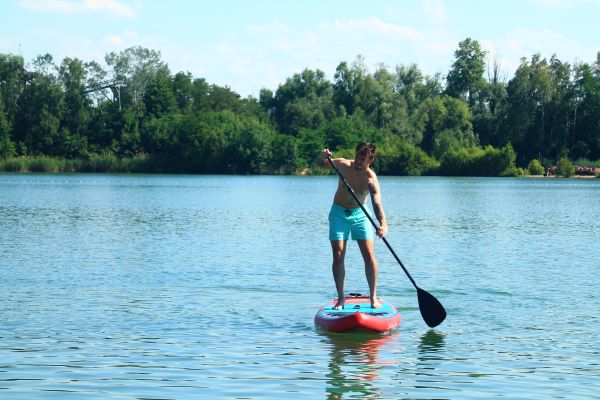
346,217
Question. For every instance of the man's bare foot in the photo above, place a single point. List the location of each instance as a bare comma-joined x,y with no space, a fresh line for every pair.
339,305
375,303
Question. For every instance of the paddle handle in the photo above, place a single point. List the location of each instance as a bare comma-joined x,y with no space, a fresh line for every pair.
349,188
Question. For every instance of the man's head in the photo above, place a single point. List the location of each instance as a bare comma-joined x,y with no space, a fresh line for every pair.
365,153
366,149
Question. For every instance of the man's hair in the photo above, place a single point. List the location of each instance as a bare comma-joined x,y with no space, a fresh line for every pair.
367,149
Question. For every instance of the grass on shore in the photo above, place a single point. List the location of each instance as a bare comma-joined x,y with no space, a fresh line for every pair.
108,163
95,163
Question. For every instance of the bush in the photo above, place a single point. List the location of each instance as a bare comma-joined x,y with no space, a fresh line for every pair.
565,168
45,164
535,167
584,162
475,161
404,159
101,163
513,171
12,165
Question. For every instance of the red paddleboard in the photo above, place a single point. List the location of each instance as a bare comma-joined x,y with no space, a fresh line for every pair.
358,315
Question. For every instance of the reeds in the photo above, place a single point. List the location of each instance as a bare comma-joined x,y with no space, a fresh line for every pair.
94,163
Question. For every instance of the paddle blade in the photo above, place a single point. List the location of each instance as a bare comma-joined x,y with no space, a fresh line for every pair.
432,310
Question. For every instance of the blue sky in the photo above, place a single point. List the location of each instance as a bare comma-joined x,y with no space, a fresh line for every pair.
253,44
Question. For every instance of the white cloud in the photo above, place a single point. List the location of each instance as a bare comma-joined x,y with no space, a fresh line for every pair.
376,26
275,28
112,8
123,40
543,41
435,10
114,40
525,43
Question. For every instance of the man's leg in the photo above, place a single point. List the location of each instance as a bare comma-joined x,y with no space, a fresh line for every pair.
367,249
338,248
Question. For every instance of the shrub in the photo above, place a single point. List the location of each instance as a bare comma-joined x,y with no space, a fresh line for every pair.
565,168
475,161
513,171
12,165
535,167
404,159
45,164
584,162
101,163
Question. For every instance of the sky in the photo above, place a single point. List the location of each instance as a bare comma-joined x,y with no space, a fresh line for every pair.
248,45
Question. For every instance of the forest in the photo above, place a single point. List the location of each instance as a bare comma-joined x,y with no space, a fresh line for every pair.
135,115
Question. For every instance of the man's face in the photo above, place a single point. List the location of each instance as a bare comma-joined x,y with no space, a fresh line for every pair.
362,160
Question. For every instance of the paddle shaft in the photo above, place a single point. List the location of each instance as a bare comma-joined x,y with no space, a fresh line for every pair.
349,188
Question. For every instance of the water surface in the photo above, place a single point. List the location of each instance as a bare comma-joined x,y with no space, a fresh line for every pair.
172,287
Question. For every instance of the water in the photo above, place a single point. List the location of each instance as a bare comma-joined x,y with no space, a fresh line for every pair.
179,287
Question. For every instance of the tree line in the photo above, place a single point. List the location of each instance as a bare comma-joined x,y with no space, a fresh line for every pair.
134,114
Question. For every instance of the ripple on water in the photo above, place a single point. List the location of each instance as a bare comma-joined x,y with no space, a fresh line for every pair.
207,286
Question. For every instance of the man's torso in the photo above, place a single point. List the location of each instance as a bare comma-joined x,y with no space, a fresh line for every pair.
359,181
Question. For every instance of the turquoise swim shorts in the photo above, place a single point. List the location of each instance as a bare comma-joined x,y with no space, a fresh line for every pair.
343,221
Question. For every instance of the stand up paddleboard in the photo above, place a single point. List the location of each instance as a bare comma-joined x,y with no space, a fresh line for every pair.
358,315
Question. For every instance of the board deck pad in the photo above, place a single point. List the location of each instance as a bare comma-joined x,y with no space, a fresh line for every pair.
358,314
360,307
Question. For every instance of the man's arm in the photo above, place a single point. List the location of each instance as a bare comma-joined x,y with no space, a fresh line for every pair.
321,159
375,191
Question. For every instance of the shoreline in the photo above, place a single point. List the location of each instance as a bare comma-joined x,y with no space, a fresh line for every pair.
561,177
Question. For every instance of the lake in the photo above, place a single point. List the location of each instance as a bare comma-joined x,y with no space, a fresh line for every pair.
183,286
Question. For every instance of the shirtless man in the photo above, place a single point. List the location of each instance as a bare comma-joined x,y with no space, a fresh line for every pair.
347,217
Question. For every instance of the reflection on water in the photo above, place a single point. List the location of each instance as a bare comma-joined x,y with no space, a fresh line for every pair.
431,346
355,363
110,287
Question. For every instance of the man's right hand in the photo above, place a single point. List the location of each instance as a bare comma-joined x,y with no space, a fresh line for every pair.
325,153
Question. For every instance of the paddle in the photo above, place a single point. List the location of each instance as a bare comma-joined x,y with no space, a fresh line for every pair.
432,310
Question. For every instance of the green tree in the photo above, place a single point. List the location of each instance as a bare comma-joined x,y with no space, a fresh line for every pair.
529,93
7,147
465,79
183,90
389,110
535,167
156,135
200,95
222,98
41,105
95,84
12,81
565,168
409,84
253,148
309,143
402,158
412,89
488,112
136,67
585,139
475,161
374,96
303,101
444,123
218,142
158,97
560,108
286,156
76,112
346,86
